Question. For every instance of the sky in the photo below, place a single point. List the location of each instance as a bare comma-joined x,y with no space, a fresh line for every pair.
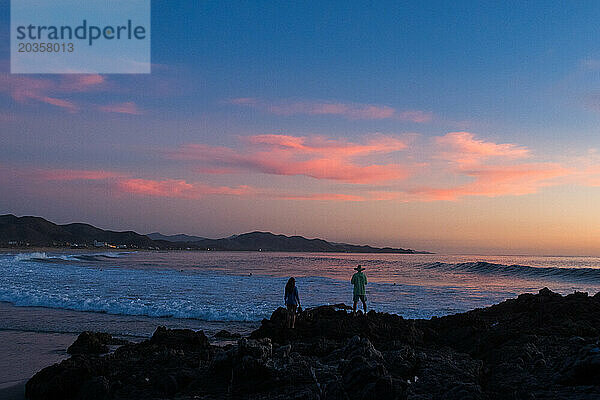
460,128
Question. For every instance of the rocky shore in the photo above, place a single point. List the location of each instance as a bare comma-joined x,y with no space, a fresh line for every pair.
543,346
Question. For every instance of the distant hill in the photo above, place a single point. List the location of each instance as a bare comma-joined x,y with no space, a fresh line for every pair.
266,241
39,232
36,231
174,238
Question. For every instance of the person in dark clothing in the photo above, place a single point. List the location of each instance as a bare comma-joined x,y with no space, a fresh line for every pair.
359,280
292,301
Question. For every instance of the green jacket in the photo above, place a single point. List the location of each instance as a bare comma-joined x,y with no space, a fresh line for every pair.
359,280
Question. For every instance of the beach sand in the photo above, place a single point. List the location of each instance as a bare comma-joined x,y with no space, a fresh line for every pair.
14,392
33,338
25,353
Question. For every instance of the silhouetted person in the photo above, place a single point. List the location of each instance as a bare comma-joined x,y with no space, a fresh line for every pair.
359,280
292,301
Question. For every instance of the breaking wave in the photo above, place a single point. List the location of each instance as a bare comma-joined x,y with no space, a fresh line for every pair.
589,275
48,257
214,286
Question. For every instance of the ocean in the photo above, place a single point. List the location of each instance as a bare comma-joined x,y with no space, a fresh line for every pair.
47,298
248,286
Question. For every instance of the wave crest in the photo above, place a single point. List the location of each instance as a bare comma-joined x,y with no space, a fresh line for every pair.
45,257
589,275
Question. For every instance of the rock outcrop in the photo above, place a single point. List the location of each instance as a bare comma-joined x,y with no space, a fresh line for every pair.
542,346
94,343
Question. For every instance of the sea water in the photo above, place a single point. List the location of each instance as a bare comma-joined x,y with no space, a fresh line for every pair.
247,286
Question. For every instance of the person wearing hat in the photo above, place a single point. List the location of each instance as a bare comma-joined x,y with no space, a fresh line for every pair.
359,280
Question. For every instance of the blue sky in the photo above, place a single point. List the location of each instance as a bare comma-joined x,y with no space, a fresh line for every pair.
501,62
350,121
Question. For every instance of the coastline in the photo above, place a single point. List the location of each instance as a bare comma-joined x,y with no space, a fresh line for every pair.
33,249
533,346
36,337
313,344
25,353
13,392
41,249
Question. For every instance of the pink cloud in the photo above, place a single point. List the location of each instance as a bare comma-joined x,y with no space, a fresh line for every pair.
323,197
352,111
66,104
123,182
37,175
119,182
24,89
73,174
588,175
53,91
463,148
178,188
332,169
368,196
316,157
80,82
122,108
468,159
460,166
499,180
376,143
166,188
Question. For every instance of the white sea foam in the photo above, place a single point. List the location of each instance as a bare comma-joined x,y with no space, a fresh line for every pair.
30,256
43,256
26,281
248,287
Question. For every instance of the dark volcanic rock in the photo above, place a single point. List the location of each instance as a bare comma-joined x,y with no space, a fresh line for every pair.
365,375
329,322
93,343
542,346
161,366
60,381
180,339
225,334
96,388
584,369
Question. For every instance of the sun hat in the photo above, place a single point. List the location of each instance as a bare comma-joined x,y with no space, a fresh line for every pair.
359,268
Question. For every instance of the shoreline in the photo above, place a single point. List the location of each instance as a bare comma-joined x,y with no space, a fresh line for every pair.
25,353
541,345
14,392
192,250
35,337
34,249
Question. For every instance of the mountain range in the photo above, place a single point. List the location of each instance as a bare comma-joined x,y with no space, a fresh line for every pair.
175,238
37,231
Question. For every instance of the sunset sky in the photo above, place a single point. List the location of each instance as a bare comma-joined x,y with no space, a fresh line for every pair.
439,126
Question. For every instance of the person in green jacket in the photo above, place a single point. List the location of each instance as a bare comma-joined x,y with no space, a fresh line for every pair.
359,280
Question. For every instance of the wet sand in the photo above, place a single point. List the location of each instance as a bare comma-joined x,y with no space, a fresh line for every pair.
25,353
14,392
33,338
